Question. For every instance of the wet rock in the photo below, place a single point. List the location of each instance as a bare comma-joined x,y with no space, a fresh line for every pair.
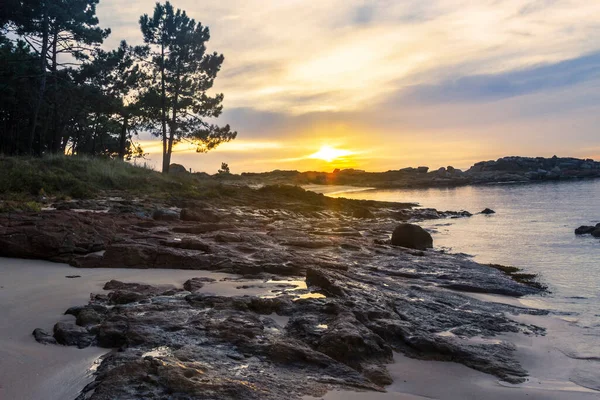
325,282
145,255
309,243
412,236
134,287
126,297
72,335
350,342
43,337
378,375
488,211
194,284
188,244
203,228
180,345
199,215
55,236
363,213
583,230
228,237
113,332
165,214
88,316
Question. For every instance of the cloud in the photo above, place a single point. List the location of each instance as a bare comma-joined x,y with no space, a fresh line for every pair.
508,84
441,80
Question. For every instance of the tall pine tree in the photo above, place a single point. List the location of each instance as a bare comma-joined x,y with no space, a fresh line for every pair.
183,74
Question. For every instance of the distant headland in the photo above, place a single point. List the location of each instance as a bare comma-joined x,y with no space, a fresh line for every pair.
503,170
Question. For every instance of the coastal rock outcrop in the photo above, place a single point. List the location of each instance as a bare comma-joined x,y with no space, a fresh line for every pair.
412,236
319,299
584,230
488,211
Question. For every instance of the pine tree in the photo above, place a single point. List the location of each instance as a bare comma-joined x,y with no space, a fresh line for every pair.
184,72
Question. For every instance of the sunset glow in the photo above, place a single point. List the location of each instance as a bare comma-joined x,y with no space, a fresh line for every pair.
443,82
330,154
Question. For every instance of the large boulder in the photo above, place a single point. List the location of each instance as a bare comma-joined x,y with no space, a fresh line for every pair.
412,236
177,169
72,335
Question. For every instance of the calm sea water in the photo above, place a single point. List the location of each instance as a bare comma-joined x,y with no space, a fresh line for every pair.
533,228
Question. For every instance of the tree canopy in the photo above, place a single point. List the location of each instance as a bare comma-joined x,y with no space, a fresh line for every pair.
61,92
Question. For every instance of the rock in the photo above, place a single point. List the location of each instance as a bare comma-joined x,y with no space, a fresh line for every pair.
55,236
43,337
88,316
596,232
126,297
412,236
350,342
488,211
583,230
199,215
72,335
188,244
378,375
118,285
194,284
165,214
177,169
363,213
422,170
322,280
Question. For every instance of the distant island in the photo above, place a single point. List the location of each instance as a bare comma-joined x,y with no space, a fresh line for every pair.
503,170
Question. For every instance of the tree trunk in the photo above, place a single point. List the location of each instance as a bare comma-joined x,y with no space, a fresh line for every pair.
40,99
56,132
173,124
123,137
166,155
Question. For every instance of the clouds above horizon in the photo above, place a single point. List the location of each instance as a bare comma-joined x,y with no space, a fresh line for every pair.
398,79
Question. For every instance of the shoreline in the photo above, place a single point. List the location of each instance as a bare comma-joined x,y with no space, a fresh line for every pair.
359,289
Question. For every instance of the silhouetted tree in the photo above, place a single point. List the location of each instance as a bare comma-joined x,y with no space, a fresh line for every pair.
183,73
52,28
224,169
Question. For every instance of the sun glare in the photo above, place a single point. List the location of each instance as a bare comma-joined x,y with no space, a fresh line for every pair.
330,154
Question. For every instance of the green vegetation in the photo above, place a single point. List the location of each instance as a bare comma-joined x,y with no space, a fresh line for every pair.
85,177
514,272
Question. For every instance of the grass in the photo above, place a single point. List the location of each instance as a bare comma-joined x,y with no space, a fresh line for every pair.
24,178
514,273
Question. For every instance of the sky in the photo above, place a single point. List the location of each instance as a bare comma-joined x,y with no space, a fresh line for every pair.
385,84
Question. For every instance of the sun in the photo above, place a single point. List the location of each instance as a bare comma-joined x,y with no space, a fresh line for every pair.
330,154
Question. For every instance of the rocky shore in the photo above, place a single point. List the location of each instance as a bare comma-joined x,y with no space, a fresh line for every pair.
336,297
503,170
